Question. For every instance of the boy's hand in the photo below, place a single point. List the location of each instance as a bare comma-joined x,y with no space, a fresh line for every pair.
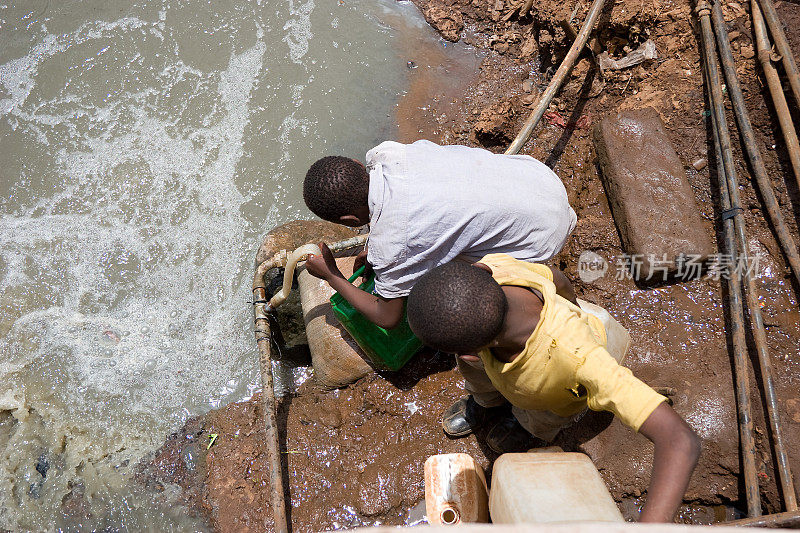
361,260
323,265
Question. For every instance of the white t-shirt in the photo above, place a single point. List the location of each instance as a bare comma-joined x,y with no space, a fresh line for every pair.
429,204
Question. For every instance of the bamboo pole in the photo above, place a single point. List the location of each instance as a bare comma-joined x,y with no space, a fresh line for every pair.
782,520
776,90
776,29
740,353
558,79
754,309
762,179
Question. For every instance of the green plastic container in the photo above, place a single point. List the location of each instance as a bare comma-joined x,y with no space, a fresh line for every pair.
388,349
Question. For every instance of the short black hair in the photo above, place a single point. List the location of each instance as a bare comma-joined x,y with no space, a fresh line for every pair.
335,186
457,308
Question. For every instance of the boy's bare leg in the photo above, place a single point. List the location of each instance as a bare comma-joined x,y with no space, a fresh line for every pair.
478,384
483,404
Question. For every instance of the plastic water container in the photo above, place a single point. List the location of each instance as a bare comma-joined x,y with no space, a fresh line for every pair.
387,349
549,487
455,490
618,338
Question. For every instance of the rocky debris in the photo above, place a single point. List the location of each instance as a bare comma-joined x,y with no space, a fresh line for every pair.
448,21
354,456
654,207
74,505
179,461
793,409
496,123
529,47
527,85
554,118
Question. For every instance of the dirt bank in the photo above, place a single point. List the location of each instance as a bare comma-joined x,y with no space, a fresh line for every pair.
355,456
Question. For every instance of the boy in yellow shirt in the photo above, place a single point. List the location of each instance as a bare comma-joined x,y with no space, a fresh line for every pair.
521,336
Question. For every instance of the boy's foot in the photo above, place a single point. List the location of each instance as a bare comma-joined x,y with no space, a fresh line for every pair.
508,436
464,417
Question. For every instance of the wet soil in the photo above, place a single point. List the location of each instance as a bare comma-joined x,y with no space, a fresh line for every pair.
355,456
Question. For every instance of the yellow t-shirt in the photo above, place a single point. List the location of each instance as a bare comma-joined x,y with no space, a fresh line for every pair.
564,367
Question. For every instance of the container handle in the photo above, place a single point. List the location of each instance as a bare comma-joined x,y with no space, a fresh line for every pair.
357,273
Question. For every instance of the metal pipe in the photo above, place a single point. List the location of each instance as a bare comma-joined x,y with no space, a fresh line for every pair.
346,244
738,339
263,337
776,90
751,147
558,79
757,323
788,519
776,29
261,310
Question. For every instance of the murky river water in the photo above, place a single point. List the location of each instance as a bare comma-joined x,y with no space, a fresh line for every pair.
145,149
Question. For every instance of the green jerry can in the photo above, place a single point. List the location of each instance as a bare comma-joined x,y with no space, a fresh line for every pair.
387,349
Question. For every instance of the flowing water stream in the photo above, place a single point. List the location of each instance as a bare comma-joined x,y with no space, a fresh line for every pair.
145,148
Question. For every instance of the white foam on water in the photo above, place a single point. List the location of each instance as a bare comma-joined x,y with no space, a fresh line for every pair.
124,316
298,29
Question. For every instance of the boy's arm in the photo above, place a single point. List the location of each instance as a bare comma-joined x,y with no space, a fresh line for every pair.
677,449
564,286
384,312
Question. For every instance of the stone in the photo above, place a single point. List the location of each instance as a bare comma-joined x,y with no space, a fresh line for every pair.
379,490
296,233
528,48
793,409
653,205
527,85
495,124
448,22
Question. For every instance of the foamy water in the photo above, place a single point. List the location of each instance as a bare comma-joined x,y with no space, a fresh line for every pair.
145,150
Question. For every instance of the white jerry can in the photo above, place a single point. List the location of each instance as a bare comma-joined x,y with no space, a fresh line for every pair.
549,487
618,340
455,490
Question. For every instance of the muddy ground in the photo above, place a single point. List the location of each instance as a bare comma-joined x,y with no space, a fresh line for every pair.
355,456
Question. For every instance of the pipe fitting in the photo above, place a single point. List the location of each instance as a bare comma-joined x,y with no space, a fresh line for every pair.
295,257
703,9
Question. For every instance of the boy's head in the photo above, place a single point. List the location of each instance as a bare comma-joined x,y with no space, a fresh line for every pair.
457,308
336,189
